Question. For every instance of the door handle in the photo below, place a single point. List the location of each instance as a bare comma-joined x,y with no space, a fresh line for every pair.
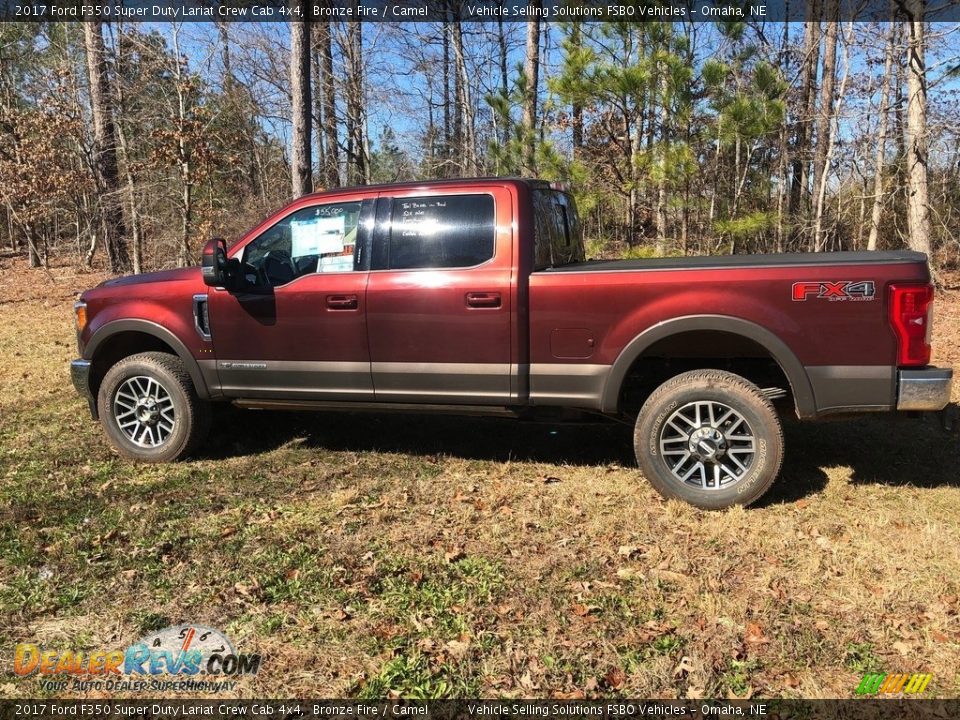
483,299
342,302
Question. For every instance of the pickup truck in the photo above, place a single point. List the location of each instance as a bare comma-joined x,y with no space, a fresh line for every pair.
474,297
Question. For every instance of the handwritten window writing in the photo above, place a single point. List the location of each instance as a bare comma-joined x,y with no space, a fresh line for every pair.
441,231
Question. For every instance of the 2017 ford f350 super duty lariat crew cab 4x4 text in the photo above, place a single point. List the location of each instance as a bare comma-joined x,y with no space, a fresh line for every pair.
474,296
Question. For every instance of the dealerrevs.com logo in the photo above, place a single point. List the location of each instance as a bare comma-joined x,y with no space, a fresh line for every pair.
191,657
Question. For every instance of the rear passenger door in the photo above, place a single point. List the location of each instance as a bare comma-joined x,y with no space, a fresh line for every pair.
438,298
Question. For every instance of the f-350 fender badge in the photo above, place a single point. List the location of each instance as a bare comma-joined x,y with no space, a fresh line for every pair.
834,291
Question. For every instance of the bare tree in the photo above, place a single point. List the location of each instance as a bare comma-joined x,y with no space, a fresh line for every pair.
918,209
300,157
825,117
466,139
808,103
124,147
105,150
358,170
327,91
883,122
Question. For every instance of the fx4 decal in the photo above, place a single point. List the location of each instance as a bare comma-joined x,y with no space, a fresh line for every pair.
840,290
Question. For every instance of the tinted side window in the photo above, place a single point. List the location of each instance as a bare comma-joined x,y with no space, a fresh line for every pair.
442,231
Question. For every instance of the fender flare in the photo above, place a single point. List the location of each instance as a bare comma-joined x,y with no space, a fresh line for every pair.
789,363
112,328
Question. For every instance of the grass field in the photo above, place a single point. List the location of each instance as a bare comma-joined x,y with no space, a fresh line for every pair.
375,556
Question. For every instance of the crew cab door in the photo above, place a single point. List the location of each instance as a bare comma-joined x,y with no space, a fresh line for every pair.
439,298
298,330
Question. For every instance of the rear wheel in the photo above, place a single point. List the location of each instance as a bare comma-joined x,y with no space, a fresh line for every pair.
710,438
150,409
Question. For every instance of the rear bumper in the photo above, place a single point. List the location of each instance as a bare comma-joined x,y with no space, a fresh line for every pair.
927,389
80,374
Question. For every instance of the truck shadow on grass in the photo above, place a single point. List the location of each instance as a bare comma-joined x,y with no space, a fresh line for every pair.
884,450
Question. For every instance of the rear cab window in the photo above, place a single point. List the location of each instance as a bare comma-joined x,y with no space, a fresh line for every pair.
558,239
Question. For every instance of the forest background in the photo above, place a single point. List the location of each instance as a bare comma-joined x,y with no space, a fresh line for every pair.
130,144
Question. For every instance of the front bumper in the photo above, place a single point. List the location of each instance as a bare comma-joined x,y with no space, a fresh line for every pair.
80,373
927,389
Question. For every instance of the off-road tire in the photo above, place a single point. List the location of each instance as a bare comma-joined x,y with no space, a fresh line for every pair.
191,415
715,388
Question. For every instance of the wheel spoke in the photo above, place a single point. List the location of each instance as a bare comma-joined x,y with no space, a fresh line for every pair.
743,468
686,456
693,469
728,471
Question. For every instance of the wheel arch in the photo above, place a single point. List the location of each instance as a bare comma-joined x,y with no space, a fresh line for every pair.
122,338
781,354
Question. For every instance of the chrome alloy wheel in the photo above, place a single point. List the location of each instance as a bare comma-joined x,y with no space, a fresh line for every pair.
143,410
708,445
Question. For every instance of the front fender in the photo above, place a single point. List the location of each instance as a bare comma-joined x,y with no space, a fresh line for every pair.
148,327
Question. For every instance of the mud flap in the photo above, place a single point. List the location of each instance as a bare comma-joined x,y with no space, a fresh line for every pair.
950,418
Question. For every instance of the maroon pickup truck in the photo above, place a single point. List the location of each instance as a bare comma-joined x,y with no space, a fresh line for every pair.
474,296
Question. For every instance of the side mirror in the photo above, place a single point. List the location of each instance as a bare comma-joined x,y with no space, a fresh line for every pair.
214,263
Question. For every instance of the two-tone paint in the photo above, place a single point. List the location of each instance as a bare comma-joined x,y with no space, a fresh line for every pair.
501,334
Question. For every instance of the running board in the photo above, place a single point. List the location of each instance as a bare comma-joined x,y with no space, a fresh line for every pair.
334,406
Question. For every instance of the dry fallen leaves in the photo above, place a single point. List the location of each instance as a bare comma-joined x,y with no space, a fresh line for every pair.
615,678
754,634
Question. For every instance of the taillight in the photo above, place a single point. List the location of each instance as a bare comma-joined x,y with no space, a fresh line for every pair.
911,315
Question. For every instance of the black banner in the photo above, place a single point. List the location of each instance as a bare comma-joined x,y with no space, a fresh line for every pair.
756,11
855,709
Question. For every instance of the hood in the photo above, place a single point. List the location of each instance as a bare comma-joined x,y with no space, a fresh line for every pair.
154,277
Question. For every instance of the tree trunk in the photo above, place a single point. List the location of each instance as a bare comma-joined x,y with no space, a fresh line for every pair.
661,245
824,136
808,101
447,128
531,73
332,168
467,146
576,107
355,111
918,209
317,100
832,126
301,164
504,133
882,138
124,148
104,150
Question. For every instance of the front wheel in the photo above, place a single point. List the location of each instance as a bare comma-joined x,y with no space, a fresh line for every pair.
710,438
150,410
